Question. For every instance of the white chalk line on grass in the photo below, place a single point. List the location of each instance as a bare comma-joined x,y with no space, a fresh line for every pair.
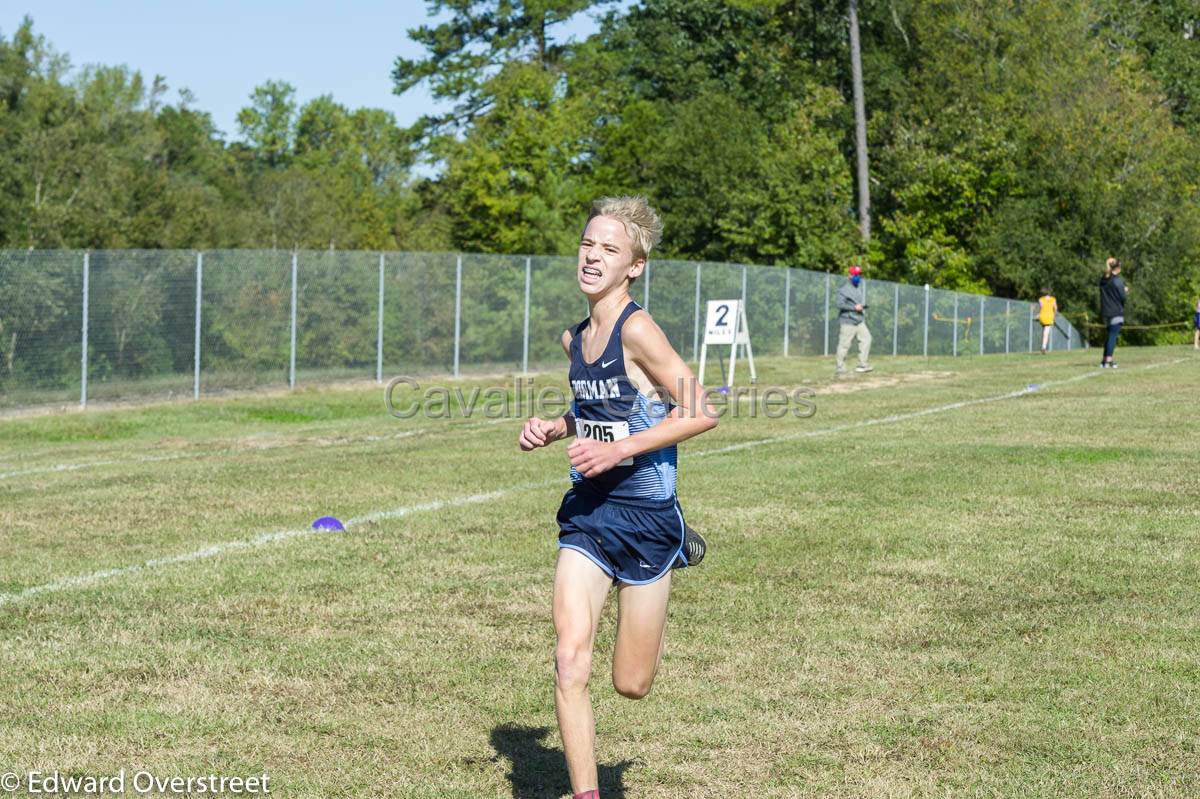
1161,364
899,417
320,443
142,459
263,539
902,417
74,467
226,547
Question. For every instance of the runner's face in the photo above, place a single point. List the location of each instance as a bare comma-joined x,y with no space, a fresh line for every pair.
605,256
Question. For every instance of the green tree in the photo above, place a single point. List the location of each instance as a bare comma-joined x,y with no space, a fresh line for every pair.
795,210
268,124
467,51
509,177
1166,35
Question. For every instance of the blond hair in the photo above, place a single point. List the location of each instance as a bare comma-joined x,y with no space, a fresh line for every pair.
1110,265
642,224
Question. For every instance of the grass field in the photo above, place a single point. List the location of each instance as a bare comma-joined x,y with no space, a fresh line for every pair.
994,598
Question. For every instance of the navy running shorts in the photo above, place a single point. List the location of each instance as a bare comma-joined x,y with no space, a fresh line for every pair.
633,542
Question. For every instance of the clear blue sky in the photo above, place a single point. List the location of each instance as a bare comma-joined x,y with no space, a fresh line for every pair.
222,49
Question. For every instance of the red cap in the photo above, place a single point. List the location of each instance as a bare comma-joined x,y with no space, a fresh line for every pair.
856,270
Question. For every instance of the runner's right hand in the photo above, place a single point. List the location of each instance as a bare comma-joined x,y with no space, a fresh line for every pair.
537,433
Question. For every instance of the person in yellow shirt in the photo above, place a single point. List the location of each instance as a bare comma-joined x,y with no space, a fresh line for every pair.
1046,314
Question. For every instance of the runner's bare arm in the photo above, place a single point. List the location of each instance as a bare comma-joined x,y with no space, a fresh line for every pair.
543,432
692,415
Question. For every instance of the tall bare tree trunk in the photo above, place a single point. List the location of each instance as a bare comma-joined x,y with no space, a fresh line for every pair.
860,127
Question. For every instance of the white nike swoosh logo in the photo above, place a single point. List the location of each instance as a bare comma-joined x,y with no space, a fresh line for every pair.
606,364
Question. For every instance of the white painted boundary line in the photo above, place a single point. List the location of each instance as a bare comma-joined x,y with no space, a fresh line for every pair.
902,417
83,580
317,442
73,467
1166,363
899,417
263,539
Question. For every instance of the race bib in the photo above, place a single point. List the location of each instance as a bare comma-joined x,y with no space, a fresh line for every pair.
604,431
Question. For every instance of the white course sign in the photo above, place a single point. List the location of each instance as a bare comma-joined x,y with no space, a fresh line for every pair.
726,324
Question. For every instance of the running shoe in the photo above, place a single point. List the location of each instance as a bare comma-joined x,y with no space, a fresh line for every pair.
693,546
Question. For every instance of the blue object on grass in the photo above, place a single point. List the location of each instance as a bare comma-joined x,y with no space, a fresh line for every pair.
329,523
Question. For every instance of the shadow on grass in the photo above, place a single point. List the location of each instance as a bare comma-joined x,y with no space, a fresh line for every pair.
540,772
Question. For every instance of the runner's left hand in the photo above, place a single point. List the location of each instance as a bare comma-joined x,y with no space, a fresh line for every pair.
591,458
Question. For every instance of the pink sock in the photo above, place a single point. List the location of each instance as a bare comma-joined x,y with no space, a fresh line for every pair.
594,793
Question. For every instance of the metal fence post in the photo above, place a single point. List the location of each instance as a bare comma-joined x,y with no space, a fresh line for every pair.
457,310
199,305
954,335
1068,336
1031,328
925,346
981,350
525,327
379,327
696,319
826,313
787,306
646,287
1007,324
292,359
743,288
83,358
895,317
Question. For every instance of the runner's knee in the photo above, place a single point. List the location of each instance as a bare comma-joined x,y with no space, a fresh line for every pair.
572,666
633,685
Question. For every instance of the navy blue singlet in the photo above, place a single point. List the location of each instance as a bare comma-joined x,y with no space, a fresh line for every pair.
604,393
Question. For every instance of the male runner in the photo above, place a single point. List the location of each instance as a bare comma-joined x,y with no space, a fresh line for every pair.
620,522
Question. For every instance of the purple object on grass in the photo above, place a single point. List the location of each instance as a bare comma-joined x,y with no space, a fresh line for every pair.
723,390
329,523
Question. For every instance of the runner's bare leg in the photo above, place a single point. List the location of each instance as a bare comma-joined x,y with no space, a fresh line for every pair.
580,588
641,636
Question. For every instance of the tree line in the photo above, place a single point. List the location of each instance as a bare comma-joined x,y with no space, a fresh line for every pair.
1014,143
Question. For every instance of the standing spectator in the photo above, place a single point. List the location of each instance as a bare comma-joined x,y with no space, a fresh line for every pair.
1196,324
1046,314
1112,308
852,309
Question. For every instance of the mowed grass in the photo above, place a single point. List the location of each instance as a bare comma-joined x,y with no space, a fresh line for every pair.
994,600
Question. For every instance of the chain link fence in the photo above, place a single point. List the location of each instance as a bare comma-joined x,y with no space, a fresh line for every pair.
112,325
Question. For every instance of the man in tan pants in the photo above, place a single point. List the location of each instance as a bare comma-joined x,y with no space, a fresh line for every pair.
852,318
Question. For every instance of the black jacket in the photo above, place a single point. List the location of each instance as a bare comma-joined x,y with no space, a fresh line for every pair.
1112,296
